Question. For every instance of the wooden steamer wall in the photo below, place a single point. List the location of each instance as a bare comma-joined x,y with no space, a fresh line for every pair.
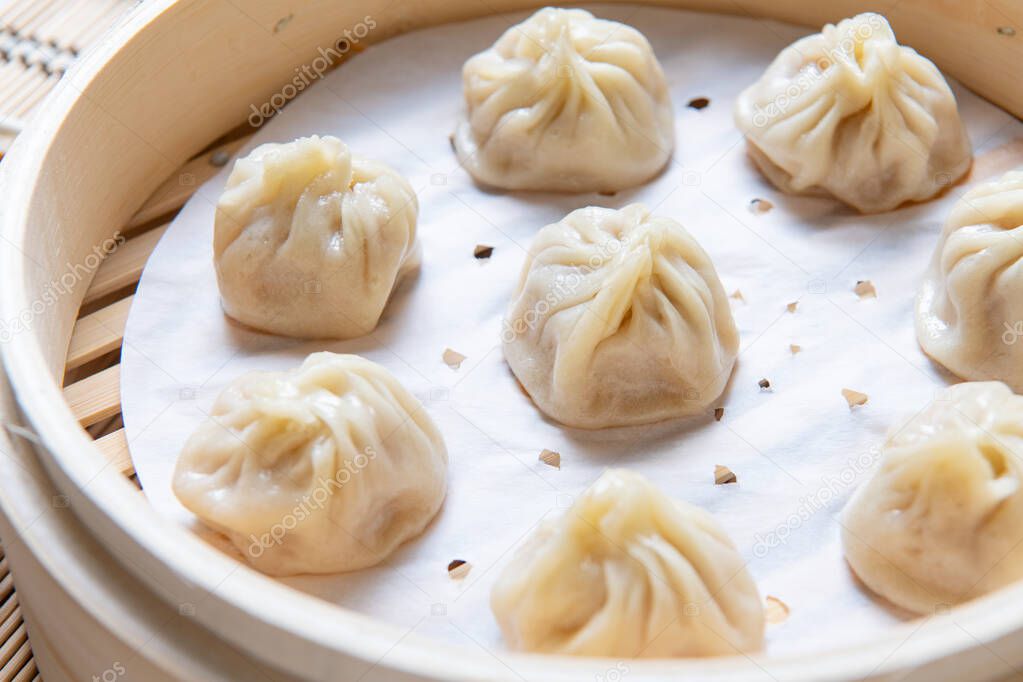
106,587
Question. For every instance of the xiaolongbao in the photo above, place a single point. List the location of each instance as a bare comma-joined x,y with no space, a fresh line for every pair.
309,240
629,572
619,318
325,468
851,113
566,102
942,520
969,314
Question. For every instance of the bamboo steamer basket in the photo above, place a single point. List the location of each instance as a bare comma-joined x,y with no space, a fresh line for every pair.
110,590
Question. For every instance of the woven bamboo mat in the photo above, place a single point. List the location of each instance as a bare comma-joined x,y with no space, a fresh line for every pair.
39,40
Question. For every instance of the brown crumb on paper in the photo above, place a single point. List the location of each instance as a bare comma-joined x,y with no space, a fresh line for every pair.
775,610
760,206
453,359
723,475
737,295
764,384
719,412
854,398
458,569
483,251
698,103
865,289
791,307
551,458
795,348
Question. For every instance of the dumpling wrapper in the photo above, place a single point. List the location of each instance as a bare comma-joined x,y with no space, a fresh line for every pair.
325,468
566,102
850,113
310,240
628,572
969,313
619,318
941,521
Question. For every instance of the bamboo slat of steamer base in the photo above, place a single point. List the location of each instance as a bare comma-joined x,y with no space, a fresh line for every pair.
39,40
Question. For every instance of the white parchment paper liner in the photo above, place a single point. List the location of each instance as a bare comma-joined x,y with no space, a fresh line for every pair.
797,449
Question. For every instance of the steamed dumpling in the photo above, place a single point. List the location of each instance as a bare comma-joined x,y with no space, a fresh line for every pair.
565,102
310,240
969,314
849,112
629,572
619,318
942,519
324,468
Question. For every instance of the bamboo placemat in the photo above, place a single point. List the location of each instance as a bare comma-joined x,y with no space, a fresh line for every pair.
39,40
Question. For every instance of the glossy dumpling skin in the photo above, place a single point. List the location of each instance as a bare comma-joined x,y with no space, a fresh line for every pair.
619,318
942,519
969,314
629,572
310,240
321,469
565,102
850,113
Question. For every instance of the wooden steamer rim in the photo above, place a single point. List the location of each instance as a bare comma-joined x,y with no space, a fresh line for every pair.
172,77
